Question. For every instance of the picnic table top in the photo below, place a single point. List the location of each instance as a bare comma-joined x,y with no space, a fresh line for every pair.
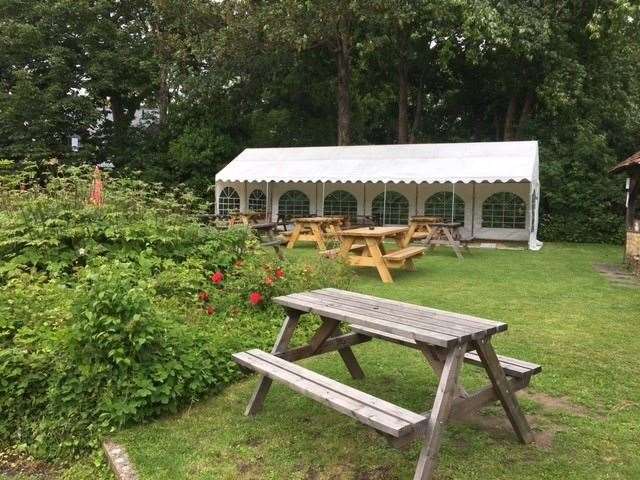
374,232
424,218
423,324
318,219
447,224
264,226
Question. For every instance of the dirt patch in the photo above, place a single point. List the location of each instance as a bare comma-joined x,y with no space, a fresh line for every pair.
557,404
498,426
378,473
12,465
618,275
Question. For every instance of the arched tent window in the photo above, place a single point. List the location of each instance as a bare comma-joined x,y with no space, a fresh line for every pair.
228,201
396,212
440,205
504,210
257,201
293,204
341,203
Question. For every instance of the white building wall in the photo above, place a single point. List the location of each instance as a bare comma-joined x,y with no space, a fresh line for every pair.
484,191
416,196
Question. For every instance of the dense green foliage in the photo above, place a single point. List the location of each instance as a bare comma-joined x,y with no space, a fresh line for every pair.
236,73
110,315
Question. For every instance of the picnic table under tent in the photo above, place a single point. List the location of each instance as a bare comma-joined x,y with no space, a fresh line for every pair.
491,188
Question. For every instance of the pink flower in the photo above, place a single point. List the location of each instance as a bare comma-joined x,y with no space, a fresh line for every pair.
268,281
210,310
217,278
255,298
279,273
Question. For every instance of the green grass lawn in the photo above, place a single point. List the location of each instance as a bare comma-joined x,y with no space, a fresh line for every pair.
584,406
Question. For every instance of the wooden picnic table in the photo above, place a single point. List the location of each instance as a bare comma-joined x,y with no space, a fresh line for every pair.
419,228
364,247
267,234
314,229
445,339
244,218
447,234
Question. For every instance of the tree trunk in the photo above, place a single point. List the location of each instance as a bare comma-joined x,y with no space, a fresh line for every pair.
417,115
343,51
509,119
163,94
527,108
117,112
403,100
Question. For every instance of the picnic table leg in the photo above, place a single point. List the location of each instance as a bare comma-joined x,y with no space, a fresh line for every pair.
328,329
409,235
506,396
294,235
376,254
281,344
345,247
452,242
318,235
427,240
437,365
440,412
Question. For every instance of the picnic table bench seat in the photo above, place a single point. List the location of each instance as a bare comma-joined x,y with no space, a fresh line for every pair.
404,253
372,411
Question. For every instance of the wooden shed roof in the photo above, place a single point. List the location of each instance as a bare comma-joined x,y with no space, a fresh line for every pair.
631,163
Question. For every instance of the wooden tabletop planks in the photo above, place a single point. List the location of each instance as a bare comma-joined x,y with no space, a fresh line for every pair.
374,232
423,324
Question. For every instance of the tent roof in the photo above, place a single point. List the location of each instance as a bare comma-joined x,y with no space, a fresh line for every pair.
416,163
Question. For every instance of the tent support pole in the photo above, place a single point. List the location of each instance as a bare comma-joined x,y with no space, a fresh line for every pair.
246,196
417,191
323,199
453,199
384,206
473,210
267,206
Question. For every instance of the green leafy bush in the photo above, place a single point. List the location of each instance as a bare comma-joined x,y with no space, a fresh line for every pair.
109,316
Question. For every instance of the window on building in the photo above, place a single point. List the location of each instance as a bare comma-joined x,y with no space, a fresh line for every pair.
396,211
443,204
293,204
504,210
257,201
228,201
341,203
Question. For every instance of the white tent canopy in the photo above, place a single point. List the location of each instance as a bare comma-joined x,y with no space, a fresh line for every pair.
425,163
473,171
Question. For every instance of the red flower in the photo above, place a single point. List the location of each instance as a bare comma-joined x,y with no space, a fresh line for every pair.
255,298
217,278
203,296
269,281
210,310
279,273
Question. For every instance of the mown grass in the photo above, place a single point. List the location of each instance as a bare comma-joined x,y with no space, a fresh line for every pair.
584,407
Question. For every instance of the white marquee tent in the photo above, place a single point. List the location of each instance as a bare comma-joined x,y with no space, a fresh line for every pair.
491,187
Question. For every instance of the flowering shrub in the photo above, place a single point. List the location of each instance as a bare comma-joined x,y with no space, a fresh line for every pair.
112,315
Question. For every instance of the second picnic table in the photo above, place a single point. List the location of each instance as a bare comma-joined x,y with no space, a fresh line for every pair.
314,229
364,247
244,218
